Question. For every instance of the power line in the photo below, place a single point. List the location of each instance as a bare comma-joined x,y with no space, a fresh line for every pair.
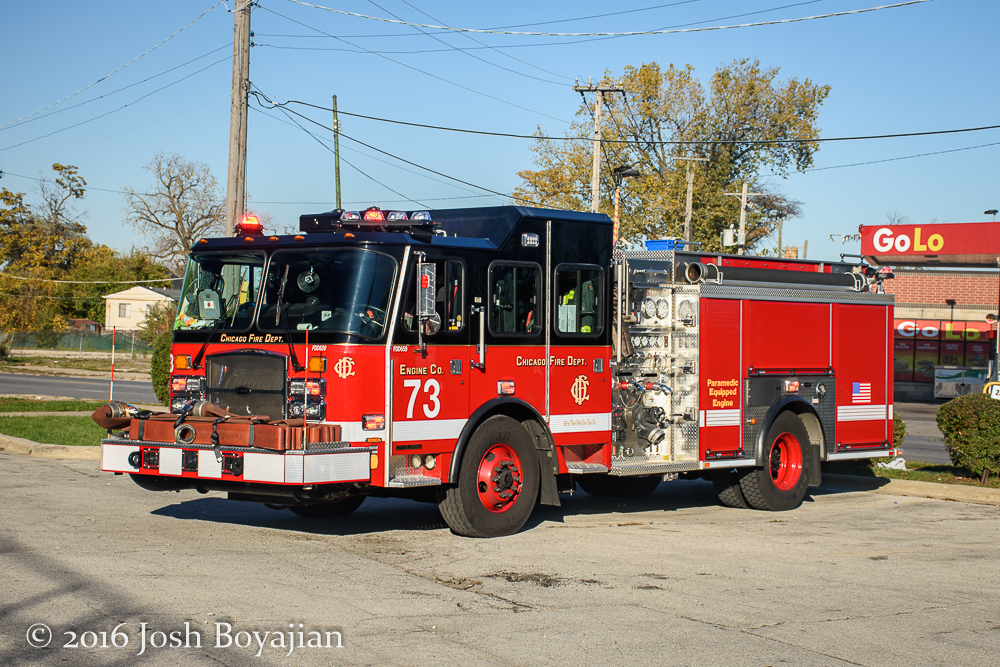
610,34
417,69
106,76
905,157
599,16
485,45
124,106
396,157
92,282
370,157
113,92
643,142
366,175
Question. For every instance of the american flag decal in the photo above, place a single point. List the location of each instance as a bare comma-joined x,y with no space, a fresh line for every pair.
861,392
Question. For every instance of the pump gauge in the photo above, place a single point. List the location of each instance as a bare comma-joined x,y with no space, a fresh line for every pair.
649,308
661,308
645,341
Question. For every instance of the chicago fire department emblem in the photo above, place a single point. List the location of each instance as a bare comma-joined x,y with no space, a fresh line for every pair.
579,390
344,367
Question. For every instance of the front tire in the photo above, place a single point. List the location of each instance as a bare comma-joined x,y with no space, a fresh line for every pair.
781,484
498,482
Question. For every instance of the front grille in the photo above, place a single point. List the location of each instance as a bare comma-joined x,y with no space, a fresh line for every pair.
248,382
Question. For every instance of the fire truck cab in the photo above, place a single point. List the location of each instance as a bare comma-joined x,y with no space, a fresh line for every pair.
490,358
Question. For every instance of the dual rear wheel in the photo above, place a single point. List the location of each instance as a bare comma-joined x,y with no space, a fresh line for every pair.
781,484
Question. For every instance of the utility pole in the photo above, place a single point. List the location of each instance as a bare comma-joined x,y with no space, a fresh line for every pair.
595,176
688,232
742,241
236,183
336,148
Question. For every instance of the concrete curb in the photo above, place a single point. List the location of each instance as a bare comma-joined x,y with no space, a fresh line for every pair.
906,487
12,445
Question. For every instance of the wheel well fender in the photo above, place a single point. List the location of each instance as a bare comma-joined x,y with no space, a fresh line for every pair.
810,420
515,408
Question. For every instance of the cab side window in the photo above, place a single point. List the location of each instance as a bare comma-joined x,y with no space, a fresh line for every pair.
514,299
449,300
578,299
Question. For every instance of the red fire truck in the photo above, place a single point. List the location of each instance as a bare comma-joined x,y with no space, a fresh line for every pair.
479,358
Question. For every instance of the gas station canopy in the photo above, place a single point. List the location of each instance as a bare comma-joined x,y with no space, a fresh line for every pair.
970,244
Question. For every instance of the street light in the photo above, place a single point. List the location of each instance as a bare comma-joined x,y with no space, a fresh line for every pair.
619,174
992,212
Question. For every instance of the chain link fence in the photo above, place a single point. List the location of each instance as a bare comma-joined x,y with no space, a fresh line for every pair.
125,342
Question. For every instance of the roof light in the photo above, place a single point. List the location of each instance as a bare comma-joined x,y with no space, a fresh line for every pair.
396,215
250,224
374,214
421,216
350,215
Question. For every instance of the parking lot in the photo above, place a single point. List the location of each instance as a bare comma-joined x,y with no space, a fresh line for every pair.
849,578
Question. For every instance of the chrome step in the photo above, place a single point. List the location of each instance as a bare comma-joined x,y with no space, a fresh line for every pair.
581,468
409,481
630,467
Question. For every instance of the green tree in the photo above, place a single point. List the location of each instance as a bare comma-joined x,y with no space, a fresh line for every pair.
746,122
182,206
101,263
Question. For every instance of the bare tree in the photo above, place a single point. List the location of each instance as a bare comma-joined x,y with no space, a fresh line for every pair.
182,206
895,217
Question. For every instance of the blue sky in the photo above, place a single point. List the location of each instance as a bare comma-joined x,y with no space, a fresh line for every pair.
928,66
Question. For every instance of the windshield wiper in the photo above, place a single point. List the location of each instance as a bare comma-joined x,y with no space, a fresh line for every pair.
196,364
280,315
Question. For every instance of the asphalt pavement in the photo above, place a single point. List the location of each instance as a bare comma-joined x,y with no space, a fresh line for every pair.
849,578
923,441
129,391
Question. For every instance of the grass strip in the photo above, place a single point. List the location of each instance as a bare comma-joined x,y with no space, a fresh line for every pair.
71,431
917,471
36,405
122,363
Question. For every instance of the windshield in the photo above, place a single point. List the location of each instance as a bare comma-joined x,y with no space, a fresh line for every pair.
220,286
345,290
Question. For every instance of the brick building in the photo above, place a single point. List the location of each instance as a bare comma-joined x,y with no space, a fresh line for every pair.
940,320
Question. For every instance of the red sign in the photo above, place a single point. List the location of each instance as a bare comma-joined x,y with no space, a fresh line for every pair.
963,243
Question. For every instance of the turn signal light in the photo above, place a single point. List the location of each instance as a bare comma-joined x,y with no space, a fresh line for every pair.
373,422
317,364
791,386
178,384
182,362
505,388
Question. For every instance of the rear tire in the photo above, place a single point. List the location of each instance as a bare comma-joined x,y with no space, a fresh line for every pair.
606,486
342,507
727,487
498,481
781,484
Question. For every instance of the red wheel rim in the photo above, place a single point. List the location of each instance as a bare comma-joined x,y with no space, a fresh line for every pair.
785,461
498,479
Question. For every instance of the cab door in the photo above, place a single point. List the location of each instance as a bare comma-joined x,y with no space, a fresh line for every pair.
430,369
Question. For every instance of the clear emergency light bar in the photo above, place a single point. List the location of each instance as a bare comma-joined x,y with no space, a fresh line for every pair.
418,223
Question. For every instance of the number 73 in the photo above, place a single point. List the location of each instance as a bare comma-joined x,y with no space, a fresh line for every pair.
432,389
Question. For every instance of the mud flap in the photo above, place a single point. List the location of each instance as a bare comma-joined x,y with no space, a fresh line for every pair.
548,493
814,466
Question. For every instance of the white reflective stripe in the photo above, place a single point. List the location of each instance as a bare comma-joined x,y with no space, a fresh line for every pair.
701,418
729,417
170,460
336,467
860,413
263,467
428,429
594,421
114,458
890,411
207,465
293,468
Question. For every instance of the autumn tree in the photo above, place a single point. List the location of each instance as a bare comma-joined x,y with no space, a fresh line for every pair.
181,206
746,123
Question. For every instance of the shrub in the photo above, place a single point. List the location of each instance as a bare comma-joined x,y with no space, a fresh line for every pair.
971,428
159,367
898,431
